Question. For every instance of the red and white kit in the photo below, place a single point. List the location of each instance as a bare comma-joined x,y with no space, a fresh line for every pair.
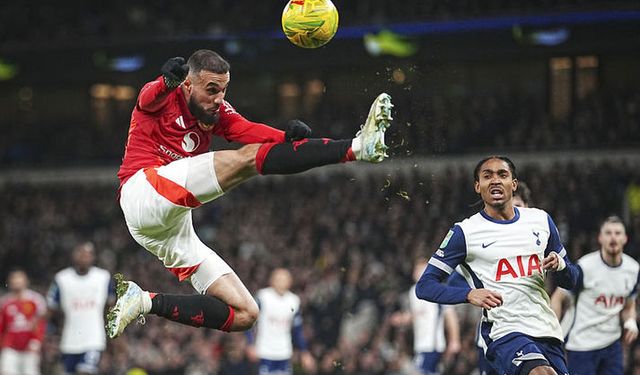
21,333
167,171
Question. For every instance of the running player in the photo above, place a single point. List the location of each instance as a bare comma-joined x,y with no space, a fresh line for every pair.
279,325
604,305
430,321
167,171
504,252
521,198
79,295
22,325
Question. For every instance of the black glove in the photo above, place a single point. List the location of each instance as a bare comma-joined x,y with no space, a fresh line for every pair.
296,130
174,71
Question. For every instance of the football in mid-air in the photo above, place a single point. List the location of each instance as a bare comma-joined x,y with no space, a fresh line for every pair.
310,23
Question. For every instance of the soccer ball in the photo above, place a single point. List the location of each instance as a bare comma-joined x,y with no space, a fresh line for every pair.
310,23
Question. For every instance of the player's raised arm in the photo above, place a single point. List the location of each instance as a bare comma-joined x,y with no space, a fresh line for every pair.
234,127
154,94
566,274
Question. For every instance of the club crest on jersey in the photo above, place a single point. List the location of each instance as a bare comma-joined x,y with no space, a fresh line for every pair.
523,266
191,141
537,234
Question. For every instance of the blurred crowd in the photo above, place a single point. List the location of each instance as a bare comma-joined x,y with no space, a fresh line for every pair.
20,22
425,123
349,239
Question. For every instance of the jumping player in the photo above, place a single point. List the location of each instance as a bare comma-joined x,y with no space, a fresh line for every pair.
505,253
167,171
604,305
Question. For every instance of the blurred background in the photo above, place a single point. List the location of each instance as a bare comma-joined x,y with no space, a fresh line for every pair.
554,84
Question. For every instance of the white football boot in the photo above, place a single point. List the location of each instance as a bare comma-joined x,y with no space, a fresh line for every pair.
130,305
368,145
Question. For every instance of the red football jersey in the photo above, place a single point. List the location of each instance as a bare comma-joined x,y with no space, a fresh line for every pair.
163,130
21,320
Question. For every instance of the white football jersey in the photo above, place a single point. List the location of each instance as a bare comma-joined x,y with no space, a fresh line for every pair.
276,320
506,257
82,299
428,324
594,323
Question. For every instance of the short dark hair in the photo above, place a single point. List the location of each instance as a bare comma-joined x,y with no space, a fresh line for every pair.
16,269
523,192
613,219
204,59
512,167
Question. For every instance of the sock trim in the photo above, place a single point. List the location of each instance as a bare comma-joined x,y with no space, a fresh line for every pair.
261,155
226,327
349,156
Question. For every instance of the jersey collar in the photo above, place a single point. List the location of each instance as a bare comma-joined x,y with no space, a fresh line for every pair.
515,217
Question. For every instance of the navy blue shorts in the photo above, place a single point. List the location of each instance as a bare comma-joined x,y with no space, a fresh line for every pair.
484,367
83,362
268,367
427,362
508,354
605,361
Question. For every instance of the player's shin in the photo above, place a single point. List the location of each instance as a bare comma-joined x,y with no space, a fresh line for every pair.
194,310
299,156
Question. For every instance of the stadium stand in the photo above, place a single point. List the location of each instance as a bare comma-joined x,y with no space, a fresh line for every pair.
351,260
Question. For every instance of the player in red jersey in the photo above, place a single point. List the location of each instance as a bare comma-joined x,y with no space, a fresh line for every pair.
22,327
168,170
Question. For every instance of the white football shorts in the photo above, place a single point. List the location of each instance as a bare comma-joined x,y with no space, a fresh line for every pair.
13,362
157,204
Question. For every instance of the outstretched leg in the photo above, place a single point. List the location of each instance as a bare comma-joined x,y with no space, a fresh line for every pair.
232,167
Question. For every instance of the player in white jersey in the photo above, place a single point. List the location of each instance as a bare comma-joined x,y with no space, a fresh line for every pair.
604,305
80,294
279,324
505,253
430,320
521,198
